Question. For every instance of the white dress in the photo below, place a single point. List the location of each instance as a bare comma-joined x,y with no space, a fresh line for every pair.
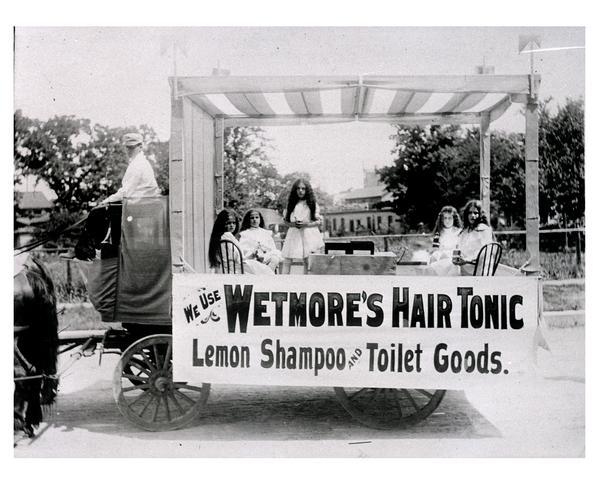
299,243
469,243
448,242
257,243
251,266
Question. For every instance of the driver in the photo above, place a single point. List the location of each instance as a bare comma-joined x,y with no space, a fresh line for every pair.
139,180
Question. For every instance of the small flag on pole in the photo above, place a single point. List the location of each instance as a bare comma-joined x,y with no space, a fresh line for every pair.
526,40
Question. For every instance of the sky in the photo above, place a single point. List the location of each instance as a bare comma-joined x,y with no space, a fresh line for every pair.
117,76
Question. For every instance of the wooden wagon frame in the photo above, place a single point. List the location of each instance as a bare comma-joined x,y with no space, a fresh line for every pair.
201,109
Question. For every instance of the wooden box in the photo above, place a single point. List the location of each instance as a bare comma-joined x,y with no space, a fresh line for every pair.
352,264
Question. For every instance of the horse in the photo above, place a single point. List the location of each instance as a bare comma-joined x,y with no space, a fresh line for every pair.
35,343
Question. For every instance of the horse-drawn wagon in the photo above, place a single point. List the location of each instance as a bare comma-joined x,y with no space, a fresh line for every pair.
377,335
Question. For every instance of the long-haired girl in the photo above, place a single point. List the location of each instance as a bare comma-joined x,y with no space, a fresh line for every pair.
445,233
303,219
225,228
257,242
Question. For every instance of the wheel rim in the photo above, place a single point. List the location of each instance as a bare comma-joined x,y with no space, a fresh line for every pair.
386,408
144,389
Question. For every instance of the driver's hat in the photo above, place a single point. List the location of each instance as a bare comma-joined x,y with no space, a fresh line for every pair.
132,139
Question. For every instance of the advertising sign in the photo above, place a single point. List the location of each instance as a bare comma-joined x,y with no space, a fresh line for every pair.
383,331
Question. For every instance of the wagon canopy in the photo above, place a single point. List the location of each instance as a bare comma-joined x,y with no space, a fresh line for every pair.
202,107
449,99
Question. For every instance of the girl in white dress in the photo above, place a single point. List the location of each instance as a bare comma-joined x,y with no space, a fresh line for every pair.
257,242
475,234
303,219
445,233
225,228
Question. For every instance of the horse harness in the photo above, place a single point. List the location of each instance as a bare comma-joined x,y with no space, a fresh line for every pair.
23,291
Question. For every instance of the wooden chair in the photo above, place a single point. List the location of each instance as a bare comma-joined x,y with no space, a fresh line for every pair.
487,260
232,260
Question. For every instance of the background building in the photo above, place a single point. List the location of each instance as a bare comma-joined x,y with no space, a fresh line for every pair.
355,212
32,210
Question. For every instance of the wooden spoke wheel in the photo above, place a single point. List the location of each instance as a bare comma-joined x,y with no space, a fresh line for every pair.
387,408
144,389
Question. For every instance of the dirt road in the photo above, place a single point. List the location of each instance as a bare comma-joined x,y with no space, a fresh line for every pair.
543,416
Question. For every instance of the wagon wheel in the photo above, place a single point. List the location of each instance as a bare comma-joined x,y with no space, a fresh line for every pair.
144,389
386,408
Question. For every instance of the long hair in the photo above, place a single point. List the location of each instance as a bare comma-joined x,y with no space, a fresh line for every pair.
246,219
439,222
309,197
465,213
214,252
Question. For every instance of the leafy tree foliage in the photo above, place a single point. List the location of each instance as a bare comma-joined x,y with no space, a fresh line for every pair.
562,162
419,178
251,180
436,165
507,184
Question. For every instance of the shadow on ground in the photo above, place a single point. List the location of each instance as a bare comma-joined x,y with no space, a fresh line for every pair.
256,413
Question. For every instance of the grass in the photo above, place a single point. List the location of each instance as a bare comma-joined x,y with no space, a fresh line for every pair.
565,297
80,316
67,291
554,265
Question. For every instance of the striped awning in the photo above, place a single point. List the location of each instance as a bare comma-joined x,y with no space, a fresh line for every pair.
452,99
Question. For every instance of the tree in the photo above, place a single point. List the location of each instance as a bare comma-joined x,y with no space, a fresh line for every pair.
419,178
507,174
251,180
562,162
437,166
82,163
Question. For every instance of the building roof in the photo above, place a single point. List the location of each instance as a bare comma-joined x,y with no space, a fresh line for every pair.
30,221
34,200
281,100
363,193
352,210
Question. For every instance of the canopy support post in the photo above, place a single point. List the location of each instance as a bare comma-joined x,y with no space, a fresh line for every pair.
532,216
484,162
176,185
218,167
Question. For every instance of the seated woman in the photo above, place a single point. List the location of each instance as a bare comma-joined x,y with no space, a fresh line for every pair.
225,228
445,233
257,242
475,234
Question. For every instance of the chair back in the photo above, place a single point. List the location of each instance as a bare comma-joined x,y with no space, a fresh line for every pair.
349,247
337,247
368,246
488,260
232,261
